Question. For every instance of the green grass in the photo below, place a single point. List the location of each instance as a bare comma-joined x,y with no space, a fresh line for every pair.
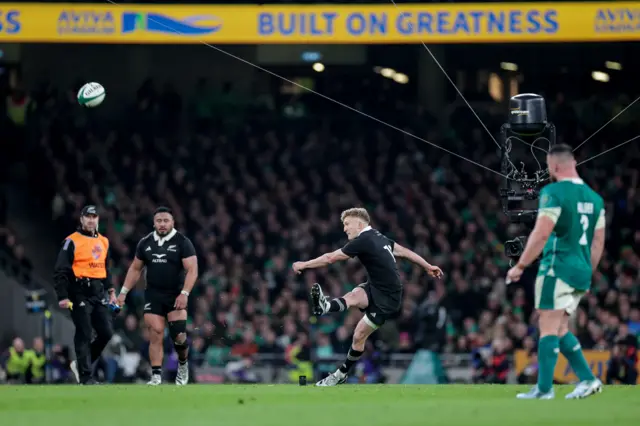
283,405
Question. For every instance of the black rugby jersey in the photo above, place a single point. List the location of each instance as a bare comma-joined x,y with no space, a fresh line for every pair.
162,258
375,252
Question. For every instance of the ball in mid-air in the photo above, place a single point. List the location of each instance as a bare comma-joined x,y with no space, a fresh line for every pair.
91,95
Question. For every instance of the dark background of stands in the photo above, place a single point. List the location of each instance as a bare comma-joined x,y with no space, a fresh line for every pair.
257,181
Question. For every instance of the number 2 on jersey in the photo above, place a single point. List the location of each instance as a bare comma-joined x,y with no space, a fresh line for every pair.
584,221
388,248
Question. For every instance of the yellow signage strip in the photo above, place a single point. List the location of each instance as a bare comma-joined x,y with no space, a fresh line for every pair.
362,24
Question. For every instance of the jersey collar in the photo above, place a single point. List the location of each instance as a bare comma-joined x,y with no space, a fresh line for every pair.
577,181
93,234
162,240
368,228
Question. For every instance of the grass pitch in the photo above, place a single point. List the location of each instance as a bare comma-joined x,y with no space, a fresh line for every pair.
284,405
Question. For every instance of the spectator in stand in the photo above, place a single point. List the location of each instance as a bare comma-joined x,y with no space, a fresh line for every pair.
622,367
13,258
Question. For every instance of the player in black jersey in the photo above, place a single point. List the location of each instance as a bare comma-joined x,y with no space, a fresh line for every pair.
380,298
171,272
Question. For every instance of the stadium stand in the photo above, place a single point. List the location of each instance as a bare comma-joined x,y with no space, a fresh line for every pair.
256,198
259,182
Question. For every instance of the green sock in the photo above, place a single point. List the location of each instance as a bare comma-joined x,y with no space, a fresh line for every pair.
571,349
547,358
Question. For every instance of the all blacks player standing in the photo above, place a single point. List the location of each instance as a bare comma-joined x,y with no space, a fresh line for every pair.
171,272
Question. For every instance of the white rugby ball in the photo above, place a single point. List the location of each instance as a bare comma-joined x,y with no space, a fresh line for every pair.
91,95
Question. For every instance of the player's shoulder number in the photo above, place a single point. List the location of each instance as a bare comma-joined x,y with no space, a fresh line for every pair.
388,248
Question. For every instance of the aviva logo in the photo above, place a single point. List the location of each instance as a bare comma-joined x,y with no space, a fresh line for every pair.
618,20
157,23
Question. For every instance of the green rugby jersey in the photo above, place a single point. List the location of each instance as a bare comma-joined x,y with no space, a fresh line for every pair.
577,211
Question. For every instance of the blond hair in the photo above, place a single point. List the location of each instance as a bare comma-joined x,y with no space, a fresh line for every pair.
358,213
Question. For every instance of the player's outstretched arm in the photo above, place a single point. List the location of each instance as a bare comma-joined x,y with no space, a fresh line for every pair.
320,262
411,256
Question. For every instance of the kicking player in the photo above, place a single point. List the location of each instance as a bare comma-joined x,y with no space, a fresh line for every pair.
570,228
380,298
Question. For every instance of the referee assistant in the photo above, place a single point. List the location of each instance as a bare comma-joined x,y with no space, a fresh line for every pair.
81,280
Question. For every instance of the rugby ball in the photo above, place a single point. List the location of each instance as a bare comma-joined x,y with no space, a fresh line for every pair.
91,95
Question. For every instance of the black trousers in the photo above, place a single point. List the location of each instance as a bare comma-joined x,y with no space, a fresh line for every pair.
89,314
623,371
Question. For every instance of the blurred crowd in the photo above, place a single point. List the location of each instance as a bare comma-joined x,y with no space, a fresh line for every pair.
13,259
258,183
20,364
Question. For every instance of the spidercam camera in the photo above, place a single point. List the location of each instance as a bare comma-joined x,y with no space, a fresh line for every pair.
527,124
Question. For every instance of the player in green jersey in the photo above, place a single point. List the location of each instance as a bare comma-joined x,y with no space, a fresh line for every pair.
569,231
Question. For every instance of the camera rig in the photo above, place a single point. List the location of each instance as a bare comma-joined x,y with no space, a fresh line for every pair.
527,122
